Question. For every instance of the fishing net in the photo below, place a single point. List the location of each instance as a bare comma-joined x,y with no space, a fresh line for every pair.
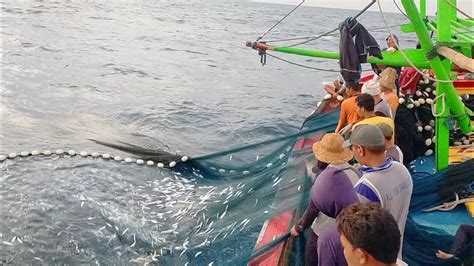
426,233
240,188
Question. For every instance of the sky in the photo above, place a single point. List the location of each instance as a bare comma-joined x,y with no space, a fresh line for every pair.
387,5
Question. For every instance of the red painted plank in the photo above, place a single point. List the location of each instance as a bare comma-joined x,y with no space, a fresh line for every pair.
276,227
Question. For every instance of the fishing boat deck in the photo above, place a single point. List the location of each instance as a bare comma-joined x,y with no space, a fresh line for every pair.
461,153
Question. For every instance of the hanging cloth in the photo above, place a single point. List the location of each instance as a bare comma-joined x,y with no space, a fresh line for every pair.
353,53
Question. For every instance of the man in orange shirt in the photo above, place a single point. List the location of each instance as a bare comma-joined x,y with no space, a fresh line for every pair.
348,108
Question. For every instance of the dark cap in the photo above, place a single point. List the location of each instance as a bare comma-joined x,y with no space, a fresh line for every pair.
387,130
366,136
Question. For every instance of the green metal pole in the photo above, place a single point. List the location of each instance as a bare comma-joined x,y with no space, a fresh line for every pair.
456,31
454,12
451,101
321,54
441,129
389,59
466,22
423,8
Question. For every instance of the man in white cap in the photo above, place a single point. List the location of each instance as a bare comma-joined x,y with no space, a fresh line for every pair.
382,107
383,180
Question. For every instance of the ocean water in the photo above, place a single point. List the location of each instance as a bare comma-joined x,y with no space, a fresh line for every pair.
174,75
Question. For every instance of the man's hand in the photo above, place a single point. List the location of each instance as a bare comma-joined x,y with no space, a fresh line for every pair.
443,255
294,231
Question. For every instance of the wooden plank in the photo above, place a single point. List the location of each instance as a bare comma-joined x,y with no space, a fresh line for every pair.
275,227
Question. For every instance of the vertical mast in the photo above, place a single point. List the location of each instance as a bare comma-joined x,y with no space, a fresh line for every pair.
448,102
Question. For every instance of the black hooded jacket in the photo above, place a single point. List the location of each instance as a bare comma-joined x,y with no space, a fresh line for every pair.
352,54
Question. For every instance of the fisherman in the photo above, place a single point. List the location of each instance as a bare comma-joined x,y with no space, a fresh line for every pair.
388,87
365,108
383,180
391,150
338,175
392,46
381,108
369,235
348,115
334,87
462,247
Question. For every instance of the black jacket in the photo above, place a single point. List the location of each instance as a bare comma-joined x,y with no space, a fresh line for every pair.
352,54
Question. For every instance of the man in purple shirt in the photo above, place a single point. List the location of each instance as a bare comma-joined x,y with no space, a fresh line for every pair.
332,191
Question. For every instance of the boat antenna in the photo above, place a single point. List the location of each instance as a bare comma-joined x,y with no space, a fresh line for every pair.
280,21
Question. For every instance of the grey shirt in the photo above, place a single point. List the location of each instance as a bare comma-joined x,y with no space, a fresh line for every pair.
395,153
390,185
384,108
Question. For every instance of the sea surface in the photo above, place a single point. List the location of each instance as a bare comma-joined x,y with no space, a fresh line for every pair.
172,75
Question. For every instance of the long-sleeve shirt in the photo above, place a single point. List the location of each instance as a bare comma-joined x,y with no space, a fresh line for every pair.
323,196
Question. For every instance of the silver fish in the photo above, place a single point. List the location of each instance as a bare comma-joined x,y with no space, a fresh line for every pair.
225,212
276,183
134,241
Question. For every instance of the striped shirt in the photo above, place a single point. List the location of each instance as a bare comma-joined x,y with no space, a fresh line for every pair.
390,185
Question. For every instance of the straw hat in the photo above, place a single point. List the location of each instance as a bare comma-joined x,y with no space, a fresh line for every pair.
389,71
388,78
329,149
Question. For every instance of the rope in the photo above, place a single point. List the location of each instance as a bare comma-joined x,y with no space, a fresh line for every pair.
324,127
269,246
335,29
304,66
458,9
403,53
448,206
399,9
85,154
313,36
280,21
433,109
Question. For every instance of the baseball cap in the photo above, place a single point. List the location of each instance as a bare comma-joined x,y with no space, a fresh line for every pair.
366,136
387,130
